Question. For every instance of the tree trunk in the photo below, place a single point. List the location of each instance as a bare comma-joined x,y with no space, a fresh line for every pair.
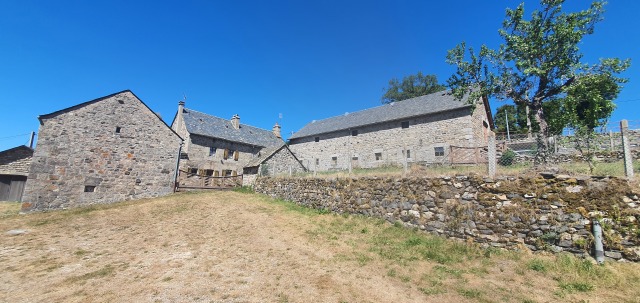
541,139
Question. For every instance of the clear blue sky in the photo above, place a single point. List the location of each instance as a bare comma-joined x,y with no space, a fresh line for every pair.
305,60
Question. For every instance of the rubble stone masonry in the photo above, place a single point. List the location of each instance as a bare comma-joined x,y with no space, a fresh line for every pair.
107,150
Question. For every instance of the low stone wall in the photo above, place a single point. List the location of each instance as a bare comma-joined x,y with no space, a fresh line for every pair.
546,213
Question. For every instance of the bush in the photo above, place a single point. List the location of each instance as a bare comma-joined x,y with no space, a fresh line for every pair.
507,158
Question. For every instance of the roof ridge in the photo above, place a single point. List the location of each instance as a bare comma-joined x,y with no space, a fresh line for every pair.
243,124
379,106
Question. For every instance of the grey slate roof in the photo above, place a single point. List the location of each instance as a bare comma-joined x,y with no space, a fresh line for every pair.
210,126
264,155
419,106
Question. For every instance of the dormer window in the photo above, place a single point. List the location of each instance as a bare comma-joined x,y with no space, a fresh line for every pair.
404,124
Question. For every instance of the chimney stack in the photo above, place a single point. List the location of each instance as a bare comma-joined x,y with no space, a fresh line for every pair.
276,130
235,121
179,117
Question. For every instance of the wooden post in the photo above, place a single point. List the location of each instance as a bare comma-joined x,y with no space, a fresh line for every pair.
628,160
491,155
611,140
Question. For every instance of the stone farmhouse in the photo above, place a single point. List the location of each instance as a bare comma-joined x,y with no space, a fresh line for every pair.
217,147
110,149
430,129
14,168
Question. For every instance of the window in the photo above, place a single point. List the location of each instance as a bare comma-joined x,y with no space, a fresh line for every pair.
317,139
209,172
378,156
408,154
121,101
334,161
226,154
193,171
354,132
405,124
212,151
317,161
236,154
226,172
439,151
89,188
118,128
354,158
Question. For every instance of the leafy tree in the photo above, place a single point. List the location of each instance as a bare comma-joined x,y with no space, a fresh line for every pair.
411,86
538,62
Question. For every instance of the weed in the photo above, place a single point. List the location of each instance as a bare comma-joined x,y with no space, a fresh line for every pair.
537,265
429,291
469,293
244,189
576,287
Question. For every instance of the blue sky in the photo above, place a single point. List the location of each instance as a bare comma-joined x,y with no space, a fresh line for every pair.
305,60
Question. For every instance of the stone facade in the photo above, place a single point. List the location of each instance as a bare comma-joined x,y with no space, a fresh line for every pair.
546,213
272,162
109,149
218,147
427,139
16,161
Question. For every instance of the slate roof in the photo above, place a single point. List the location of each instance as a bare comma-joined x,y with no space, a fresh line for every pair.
419,106
264,155
210,126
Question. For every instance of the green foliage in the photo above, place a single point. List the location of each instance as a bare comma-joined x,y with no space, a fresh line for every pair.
507,158
539,62
244,189
411,86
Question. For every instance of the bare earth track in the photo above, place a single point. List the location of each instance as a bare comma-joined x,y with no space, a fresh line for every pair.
234,247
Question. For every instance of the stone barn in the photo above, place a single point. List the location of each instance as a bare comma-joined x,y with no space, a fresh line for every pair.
431,129
14,168
110,149
273,161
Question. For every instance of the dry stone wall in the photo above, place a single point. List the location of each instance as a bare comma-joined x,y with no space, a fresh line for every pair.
546,213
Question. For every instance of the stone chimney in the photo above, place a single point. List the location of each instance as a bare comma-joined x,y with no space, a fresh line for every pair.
235,121
179,117
276,130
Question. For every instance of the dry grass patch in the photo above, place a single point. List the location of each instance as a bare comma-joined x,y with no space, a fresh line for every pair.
243,247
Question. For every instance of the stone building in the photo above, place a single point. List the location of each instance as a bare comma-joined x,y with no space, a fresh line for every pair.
105,150
272,161
14,168
427,129
217,147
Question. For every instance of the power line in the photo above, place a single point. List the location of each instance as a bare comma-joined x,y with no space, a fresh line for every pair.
15,136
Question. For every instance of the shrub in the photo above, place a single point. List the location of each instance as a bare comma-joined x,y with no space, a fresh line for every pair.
507,158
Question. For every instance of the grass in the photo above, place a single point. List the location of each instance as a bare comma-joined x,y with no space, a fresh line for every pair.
314,247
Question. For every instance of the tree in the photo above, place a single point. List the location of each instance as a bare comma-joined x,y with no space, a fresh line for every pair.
538,62
411,86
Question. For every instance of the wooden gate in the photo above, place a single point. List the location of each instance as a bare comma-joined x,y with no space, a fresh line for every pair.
191,181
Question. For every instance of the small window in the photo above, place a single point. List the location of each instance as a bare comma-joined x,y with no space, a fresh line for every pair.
317,139
193,171
408,154
354,132
439,151
226,154
209,172
378,156
317,161
354,158
405,124
121,101
118,128
89,188
226,172
334,160
212,151
236,155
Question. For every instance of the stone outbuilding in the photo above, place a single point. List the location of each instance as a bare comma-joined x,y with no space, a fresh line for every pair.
110,149
272,161
217,147
14,168
431,129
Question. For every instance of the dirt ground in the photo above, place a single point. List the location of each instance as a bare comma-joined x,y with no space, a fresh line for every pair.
212,247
